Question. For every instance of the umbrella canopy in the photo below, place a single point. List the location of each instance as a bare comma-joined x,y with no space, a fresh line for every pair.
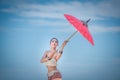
80,26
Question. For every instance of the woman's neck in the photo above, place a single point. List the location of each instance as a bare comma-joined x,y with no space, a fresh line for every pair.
53,49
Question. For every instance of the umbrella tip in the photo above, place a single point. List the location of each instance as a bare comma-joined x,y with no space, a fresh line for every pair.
85,22
88,20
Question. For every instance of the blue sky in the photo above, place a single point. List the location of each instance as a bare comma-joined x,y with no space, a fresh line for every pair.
26,26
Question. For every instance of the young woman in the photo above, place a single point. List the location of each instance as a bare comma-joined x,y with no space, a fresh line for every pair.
51,57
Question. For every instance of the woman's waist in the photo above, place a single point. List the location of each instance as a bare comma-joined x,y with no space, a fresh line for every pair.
51,68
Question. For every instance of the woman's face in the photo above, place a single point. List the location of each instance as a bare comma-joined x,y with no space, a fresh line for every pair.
54,43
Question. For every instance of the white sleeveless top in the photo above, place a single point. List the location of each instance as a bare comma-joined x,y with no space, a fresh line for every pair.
51,62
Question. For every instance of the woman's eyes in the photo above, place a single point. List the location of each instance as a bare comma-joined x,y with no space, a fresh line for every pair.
56,41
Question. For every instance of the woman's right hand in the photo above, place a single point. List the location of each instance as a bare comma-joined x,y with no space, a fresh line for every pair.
64,43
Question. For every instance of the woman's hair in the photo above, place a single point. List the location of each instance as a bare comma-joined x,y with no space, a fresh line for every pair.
53,38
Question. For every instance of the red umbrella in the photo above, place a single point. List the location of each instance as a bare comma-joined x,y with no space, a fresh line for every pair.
81,26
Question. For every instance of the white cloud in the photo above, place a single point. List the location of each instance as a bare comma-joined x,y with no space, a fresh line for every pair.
100,29
43,22
56,10
39,14
65,26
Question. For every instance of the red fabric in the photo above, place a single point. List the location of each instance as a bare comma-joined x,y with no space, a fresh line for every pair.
55,75
80,27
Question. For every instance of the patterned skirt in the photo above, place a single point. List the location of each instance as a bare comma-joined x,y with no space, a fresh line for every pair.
54,74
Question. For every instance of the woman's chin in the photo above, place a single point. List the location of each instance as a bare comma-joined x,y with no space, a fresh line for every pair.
54,46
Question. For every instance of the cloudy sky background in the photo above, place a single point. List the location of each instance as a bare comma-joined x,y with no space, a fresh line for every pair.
26,26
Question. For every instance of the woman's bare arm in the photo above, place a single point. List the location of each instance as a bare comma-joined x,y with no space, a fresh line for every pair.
61,50
44,58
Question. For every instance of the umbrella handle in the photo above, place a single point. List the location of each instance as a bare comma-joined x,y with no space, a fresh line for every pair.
71,36
68,38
